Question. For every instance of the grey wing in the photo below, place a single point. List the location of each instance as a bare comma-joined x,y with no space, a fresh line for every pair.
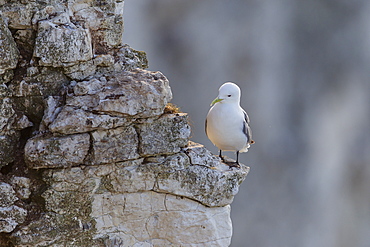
247,129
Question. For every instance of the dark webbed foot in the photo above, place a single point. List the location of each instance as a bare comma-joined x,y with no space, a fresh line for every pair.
232,164
222,159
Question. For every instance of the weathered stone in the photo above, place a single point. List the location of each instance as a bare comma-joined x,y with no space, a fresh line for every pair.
11,217
115,203
81,70
8,142
6,77
105,23
105,61
55,13
92,17
32,107
52,81
8,49
71,121
22,187
46,228
24,40
149,218
111,37
6,112
53,152
125,59
19,14
4,91
135,217
24,88
114,145
7,195
58,45
210,183
22,122
199,155
52,109
209,186
138,93
92,86
56,230
85,102
164,136
130,58
29,93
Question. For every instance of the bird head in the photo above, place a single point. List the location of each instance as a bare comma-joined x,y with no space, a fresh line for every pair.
228,93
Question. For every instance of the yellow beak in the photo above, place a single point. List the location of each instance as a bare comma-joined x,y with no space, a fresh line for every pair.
216,100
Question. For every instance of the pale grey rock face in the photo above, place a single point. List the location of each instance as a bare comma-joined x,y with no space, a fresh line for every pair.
167,135
65,44
11,217
11,123
212,186
7,195
71,121
176,175
8,48
7,112
22,187
105,22
52,108
53,152
138,93
114,145
10,214
22,122
120,202
19,15
169,220
81,70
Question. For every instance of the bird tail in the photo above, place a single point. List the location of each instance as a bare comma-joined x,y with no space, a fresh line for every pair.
245,149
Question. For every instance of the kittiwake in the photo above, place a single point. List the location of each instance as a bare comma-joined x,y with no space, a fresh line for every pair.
227,124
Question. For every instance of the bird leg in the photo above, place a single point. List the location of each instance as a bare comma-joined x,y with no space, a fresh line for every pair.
234,164
230,164
220,155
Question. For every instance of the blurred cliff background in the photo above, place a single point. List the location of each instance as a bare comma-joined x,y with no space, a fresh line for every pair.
304,71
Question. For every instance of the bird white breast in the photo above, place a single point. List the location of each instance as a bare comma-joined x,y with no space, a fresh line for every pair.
225,127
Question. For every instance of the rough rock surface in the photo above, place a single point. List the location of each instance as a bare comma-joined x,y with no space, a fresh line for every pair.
65,44
56,152
10,214
8,49
90,155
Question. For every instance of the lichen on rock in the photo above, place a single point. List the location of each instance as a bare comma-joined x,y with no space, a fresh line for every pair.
65,44
8,49
11,215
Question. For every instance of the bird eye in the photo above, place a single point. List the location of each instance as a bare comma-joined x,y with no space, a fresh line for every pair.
229,95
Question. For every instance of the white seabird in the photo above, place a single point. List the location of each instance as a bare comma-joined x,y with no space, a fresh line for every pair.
227,124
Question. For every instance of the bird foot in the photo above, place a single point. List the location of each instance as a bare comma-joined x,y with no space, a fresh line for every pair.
232,164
